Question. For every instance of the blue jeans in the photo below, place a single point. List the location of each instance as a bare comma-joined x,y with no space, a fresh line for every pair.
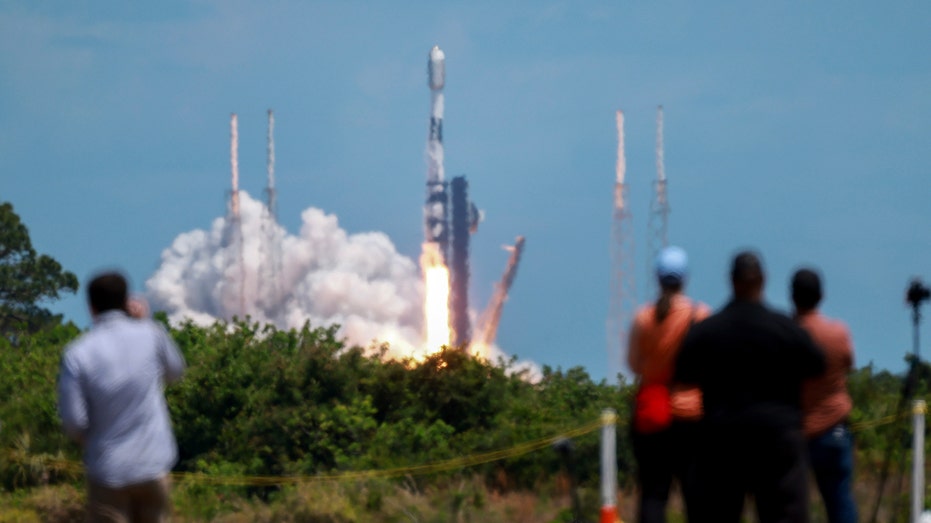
831,456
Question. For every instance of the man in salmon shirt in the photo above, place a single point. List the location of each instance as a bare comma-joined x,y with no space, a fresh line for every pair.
825,401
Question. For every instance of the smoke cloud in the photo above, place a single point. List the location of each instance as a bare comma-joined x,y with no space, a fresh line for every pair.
323,274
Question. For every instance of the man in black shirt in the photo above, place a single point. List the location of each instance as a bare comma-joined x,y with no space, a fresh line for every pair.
749,362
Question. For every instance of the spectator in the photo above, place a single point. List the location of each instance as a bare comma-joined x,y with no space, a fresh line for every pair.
664,452
111,401
825,401
750,363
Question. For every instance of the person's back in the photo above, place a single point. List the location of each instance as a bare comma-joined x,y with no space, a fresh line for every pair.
111,401
826,402
749,363
663,445
121,366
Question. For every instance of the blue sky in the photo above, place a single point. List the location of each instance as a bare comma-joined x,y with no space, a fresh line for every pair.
797,128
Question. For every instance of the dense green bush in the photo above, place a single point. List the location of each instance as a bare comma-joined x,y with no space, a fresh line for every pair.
257,400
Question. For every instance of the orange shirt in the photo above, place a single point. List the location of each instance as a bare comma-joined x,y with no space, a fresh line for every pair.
825,401
652,350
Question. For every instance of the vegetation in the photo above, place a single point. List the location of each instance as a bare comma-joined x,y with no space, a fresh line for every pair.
26,279
258,402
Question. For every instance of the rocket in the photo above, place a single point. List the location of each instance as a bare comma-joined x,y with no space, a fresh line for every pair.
436,226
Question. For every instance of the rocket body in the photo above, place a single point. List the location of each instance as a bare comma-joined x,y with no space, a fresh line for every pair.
436,223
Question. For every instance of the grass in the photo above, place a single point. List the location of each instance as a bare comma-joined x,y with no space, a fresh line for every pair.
464,500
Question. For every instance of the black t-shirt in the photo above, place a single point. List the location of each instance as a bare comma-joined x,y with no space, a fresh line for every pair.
749,362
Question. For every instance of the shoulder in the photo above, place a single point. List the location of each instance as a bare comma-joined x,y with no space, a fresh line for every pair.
645,314
77,349
834,325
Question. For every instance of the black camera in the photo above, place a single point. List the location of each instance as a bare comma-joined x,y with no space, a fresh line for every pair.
917,293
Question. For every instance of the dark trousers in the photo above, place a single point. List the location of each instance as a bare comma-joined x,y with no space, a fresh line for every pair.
831,456
662,457
767,463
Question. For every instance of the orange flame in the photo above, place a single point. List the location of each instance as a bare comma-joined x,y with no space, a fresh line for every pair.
436,297
479,349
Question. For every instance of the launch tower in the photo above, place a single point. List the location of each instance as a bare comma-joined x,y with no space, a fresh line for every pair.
623,291
464,223
235,224
659,209
272,260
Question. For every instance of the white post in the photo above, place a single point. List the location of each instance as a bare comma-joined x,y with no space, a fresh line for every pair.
919,408
608,465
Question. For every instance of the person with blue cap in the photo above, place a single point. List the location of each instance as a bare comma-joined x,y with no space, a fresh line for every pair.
665,413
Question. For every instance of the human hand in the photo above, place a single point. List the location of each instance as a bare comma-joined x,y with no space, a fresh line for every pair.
137,307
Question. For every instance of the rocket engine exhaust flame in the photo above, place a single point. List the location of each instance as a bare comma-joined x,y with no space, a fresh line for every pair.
436,297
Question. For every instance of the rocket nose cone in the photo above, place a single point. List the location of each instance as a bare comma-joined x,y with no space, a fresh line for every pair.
436,54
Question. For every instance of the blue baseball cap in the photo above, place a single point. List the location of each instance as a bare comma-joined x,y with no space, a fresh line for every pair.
672,266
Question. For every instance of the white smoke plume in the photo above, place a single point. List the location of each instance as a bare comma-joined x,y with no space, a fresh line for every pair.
326,276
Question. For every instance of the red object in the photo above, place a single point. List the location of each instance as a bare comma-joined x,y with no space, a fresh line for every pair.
609,515
652,410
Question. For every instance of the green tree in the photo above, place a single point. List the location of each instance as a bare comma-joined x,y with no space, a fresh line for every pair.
27,279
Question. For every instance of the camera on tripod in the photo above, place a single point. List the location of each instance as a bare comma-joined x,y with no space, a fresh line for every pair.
917,293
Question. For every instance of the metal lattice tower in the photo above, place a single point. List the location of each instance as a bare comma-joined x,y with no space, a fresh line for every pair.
659,208
272,259
623,289
270,167
234,212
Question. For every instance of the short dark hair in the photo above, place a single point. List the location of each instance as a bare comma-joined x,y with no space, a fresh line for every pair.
746,267
107,291
806,289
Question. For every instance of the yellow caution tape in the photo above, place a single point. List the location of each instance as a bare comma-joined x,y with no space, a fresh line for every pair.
416,470
885,420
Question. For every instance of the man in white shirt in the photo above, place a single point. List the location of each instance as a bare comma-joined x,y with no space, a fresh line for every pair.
112,402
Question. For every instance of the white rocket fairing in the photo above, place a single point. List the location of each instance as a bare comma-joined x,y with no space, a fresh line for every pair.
436,225
436,69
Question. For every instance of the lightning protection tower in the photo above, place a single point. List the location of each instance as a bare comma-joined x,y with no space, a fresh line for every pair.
659,208
623,290
271,259
235,229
